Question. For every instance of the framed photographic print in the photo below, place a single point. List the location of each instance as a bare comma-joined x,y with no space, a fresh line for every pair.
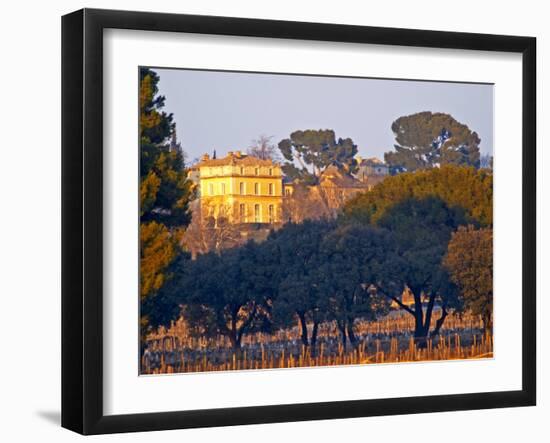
269,221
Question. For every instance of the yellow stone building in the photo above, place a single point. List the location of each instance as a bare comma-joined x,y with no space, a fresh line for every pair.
242,188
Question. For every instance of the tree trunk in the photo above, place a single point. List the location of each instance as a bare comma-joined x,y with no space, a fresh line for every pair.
234,335
342,327
420,333
351,334
235,342
303,324
439,322
314,338
420,337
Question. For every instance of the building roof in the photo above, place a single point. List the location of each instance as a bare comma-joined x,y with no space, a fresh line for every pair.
234,159
373,161
334,176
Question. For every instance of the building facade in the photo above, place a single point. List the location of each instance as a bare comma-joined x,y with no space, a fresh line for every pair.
370,167
371,171
240,188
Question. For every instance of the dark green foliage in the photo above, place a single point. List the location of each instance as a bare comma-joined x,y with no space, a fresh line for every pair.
313,151
463,187
469,260
421,230
425,140
164,190
302,175
296,249
164,306
155,125
164,197
353,259
228,294
421,210
304,273
319,271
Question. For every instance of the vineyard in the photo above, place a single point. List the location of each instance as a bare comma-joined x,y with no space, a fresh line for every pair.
388,340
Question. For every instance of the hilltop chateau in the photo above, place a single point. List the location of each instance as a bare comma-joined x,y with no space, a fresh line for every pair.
245,189
242,188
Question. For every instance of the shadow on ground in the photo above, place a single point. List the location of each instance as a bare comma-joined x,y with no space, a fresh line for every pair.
54,417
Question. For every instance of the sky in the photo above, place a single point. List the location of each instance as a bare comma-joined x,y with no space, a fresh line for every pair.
226,111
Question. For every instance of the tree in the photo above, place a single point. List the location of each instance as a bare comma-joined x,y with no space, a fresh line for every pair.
469,260
352,260
310,203
263,148
164,305
207,233
225,294
164,191
421,230
315,150
463,187
158,248
296,249
427,140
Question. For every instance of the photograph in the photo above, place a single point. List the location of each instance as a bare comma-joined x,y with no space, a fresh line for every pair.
275,221
291,220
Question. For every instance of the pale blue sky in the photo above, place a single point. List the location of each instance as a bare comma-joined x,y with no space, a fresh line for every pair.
227,110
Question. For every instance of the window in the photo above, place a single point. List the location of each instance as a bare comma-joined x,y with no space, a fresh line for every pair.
257,188
241,188
271,189
242,212
223,188
257,171
287,192
242,170
211,189
271,211
270,171
257,213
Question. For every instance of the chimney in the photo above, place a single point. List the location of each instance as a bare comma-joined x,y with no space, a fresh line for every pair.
230,154
238,154
205,157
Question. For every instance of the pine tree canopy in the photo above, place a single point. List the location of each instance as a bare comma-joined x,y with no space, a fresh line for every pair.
426,140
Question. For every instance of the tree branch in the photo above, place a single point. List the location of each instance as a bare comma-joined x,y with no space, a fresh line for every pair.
299,158
439,321
399,302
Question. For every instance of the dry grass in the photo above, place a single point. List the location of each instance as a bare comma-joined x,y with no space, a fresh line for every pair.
388,340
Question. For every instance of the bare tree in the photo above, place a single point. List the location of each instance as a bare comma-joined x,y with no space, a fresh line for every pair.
332,199
212,231
263,148
305,203
315,202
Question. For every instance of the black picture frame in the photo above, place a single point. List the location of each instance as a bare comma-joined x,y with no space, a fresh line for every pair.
82,220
